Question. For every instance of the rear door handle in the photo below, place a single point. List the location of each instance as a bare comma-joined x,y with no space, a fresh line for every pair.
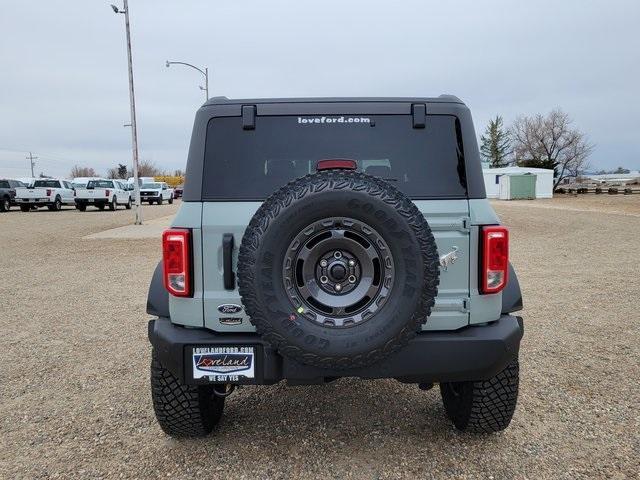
227,262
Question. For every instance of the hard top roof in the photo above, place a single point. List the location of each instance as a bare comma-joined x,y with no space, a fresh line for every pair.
253,101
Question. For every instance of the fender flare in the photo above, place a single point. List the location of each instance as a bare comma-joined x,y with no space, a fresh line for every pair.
158,297
511,295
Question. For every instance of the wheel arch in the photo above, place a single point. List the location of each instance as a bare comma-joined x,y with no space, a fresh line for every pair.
511,295
158,297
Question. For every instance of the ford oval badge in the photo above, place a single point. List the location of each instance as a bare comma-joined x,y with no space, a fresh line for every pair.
228,308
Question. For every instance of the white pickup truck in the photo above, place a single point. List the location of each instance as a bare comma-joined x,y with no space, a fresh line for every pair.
45,192
156,192
103,193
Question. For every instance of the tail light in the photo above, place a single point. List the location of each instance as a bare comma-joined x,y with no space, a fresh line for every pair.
176,262
107,192
495,259
48,192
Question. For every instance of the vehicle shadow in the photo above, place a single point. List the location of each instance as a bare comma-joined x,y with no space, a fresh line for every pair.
349,423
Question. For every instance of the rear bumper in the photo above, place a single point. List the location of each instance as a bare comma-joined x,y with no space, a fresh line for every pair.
471,353
92,201
35,201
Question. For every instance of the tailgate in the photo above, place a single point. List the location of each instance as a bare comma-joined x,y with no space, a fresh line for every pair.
449,221
31,193
90,193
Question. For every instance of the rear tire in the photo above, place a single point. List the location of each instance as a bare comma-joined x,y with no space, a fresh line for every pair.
485,406
170,200
5,205
113,204
183,410
82,207
57,205
160,201
128,205
25,208
100,206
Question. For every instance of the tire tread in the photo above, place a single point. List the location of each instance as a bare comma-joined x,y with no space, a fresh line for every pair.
486,406
183,410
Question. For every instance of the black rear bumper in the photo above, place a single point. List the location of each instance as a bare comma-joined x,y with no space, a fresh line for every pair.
471,353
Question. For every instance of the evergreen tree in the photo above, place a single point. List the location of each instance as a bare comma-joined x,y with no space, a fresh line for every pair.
496,143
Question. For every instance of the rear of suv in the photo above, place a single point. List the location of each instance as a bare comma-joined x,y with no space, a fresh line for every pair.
329,238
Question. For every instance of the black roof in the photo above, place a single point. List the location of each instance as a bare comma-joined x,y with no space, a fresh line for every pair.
254,101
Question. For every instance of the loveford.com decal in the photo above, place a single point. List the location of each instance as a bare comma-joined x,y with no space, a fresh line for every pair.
218,362
332,120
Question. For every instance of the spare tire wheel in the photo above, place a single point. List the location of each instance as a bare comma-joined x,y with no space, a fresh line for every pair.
338,269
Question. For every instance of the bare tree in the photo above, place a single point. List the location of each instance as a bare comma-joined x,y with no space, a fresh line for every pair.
78,171
551,142
147,168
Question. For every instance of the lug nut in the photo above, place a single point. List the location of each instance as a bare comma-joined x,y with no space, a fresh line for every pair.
352,263
323,263
337,254
352,279
323,279
338,287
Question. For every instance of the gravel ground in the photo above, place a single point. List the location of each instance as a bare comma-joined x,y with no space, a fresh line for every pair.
74,399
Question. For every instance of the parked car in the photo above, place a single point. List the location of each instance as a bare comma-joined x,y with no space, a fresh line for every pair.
141,180
8,193
103,193
81,182
156,192
52,193
177,191
323,239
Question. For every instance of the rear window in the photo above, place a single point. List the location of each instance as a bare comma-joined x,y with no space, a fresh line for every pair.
100,184
47,183
151,185
252,164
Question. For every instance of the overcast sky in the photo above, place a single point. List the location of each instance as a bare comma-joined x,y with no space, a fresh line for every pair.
63,77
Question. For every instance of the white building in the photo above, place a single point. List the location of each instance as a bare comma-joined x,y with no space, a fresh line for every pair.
617,178
544,180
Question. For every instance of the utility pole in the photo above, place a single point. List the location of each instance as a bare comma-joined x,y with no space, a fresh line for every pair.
31,159
132,101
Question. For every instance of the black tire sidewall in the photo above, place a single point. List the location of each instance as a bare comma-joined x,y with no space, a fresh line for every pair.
359,344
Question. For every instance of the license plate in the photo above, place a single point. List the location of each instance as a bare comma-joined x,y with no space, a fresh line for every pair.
223,364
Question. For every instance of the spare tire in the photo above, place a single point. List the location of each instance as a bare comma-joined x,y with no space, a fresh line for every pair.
338,269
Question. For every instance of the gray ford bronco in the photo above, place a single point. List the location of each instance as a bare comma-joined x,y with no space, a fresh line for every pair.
329,238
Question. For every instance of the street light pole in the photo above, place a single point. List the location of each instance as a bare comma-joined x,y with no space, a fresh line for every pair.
132,101
204,72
